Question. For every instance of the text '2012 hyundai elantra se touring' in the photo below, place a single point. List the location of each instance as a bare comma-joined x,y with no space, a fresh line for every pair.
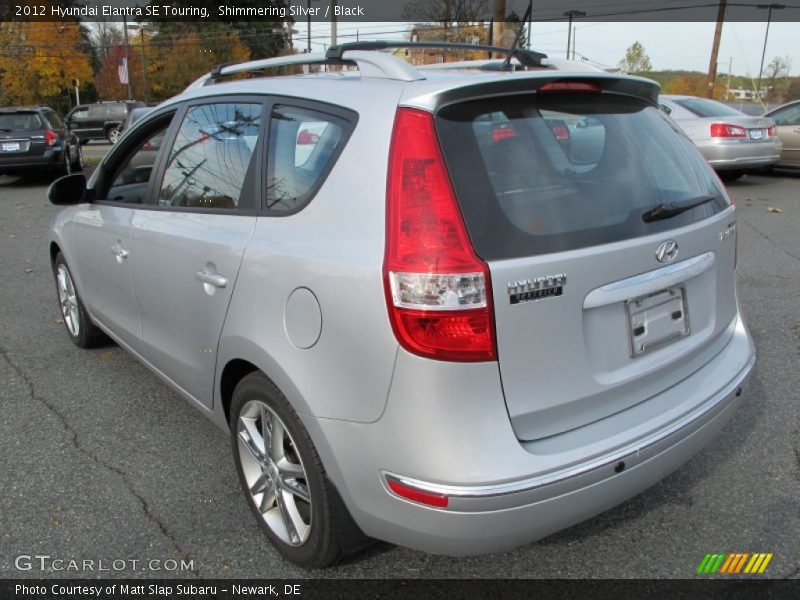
456,308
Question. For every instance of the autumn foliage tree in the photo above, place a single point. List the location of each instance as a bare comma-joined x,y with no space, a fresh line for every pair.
39,60
635,60
177,61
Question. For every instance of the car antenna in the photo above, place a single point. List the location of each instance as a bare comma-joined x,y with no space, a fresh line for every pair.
515,46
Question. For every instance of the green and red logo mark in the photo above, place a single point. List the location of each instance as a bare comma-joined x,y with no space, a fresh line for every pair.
734,563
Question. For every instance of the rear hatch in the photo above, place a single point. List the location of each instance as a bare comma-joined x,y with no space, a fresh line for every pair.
611,248
22,134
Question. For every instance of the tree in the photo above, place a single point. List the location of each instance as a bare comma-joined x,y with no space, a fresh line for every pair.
776,75
39,60
635,61
107,81
177,62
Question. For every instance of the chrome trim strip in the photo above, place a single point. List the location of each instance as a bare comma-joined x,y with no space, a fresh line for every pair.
619,291
533,483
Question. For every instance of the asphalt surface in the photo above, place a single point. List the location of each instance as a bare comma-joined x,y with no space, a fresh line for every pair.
101,461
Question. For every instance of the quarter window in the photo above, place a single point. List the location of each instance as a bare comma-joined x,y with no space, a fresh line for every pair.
303,146
211,156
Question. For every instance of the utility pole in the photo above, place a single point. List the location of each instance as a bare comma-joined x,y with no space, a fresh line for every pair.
308,24
572,14
712,65
574,39
730,68
333,22
530,22
127,62
770,8
499,24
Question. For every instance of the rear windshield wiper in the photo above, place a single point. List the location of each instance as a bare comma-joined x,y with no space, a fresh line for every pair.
672,209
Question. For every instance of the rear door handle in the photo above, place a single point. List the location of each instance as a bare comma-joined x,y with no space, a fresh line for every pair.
214,279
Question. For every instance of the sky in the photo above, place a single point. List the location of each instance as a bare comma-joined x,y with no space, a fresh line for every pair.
671,46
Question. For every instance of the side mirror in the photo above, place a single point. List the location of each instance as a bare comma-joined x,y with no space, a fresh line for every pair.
69,189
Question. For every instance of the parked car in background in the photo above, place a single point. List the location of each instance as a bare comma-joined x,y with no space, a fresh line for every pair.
732,142
101,120
134,115
787,120
419,314
35,139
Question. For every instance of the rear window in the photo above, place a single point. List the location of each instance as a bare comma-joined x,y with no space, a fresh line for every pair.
540,174
707,108
20,121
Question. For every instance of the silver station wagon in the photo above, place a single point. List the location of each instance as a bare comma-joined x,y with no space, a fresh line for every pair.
454,308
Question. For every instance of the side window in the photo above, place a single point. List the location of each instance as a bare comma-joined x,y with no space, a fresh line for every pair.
80,113
210,158
788,116
131,178
303,146
98,110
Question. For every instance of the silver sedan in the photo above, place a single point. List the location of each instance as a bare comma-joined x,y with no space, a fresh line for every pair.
731,141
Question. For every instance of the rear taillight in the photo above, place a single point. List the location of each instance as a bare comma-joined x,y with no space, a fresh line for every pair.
772,131
51,137
723,130
437,290
561,133
571,86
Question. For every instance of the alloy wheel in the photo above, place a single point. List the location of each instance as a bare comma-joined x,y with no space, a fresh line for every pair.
68,299
274,472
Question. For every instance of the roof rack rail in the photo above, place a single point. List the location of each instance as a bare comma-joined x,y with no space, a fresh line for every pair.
527,58
371,64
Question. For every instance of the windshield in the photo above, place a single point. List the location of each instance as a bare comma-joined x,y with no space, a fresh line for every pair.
540,174
707,108
20,121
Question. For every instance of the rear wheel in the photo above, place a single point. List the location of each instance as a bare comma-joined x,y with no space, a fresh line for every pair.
284,480
113,134
77,159
79,326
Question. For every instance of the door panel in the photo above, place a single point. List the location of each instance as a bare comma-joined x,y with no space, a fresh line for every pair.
187,250
101,236
790,136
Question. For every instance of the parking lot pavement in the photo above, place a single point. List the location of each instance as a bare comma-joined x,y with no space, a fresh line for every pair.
100,460
96,149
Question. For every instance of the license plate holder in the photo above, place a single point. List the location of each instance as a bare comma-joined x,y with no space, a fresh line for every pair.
11,147
656,320
756,134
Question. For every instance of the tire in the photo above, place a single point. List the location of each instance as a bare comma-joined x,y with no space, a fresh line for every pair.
288,481
77,322
65,168
77,160
112,134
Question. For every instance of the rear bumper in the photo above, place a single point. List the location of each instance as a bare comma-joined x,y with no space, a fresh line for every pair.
52,157
735,155
519,502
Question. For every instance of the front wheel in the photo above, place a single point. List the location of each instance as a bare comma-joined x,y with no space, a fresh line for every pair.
79,326
284,480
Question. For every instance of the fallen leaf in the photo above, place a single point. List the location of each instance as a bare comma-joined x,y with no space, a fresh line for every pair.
37,237
29,270
108,355
58,321
772,209
782,276
19,205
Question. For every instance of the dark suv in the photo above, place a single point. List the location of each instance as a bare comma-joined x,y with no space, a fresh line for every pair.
36,138
101,120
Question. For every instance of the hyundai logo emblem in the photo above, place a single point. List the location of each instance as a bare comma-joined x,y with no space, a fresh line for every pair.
667,251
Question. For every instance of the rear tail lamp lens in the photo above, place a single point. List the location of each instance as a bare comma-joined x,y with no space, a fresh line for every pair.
417,495
437,290
51,137
772,131
723,130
